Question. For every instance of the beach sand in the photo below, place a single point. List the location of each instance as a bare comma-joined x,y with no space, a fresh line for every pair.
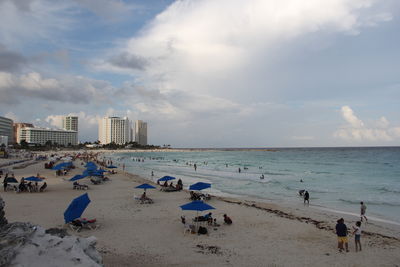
262,234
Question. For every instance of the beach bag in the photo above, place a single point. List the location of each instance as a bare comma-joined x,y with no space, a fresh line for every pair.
202,230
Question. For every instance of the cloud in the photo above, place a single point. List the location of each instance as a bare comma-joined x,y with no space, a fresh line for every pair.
230,49
129,61
356,130
9,60
12,115
73,89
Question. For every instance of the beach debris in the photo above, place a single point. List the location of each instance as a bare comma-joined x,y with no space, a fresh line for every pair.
205,249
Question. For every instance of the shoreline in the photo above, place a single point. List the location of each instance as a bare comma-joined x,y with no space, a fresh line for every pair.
285,211
333,211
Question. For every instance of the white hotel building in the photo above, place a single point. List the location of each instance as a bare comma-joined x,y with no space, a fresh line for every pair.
41,136
114,129
141,132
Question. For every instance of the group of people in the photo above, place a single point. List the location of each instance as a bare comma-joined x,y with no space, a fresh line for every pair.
206,218
23,186
306,196
198,196
342,231
171,187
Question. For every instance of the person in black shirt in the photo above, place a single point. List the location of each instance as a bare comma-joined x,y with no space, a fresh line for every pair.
341,232
306,197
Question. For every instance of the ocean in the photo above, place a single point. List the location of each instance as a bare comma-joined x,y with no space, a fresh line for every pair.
336,178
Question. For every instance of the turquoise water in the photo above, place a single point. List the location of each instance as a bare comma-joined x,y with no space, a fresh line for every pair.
336,178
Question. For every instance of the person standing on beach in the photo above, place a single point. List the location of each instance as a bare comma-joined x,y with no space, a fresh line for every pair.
195,167
363,209
341,232
357,235
123,167
306,198
239,170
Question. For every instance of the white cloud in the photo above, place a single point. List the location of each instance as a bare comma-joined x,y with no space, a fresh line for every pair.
12,115
73,89
210,38
356,130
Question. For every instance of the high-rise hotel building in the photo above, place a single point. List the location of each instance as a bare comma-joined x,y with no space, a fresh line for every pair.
141,132
70,123
114,129
7,130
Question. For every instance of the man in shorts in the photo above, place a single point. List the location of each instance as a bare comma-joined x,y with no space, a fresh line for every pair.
363,209
341,232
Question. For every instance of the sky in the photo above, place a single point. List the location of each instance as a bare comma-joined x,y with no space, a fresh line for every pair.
208,73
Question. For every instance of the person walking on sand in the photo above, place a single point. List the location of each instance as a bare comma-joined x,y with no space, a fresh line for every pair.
363,209
306,198
357,235
341,232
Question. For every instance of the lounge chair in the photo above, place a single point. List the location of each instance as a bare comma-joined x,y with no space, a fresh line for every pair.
78,224
95,181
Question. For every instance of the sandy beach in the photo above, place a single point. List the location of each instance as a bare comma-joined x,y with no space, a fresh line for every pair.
262,234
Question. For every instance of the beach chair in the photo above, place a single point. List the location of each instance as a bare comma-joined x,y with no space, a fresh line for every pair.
78,224
136,198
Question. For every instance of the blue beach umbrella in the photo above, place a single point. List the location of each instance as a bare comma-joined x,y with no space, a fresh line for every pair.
33,179
76,208
199,186
11,180
145,186
61,166
166,178
197,205
112,167
77,177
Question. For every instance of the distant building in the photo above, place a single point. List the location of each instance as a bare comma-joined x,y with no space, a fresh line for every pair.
114,129
17,130
6,129
3,140
70,123
141,132
41,136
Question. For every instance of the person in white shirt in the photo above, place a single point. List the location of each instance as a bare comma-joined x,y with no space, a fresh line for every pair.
357,235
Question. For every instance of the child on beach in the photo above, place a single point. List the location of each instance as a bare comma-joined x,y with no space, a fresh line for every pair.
341,232
357,235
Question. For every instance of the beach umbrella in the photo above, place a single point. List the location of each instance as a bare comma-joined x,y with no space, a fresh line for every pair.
166,178
11,180
33,179
145,186
76,208
197,205
91,164
112,166
77,177
62,166
199,186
